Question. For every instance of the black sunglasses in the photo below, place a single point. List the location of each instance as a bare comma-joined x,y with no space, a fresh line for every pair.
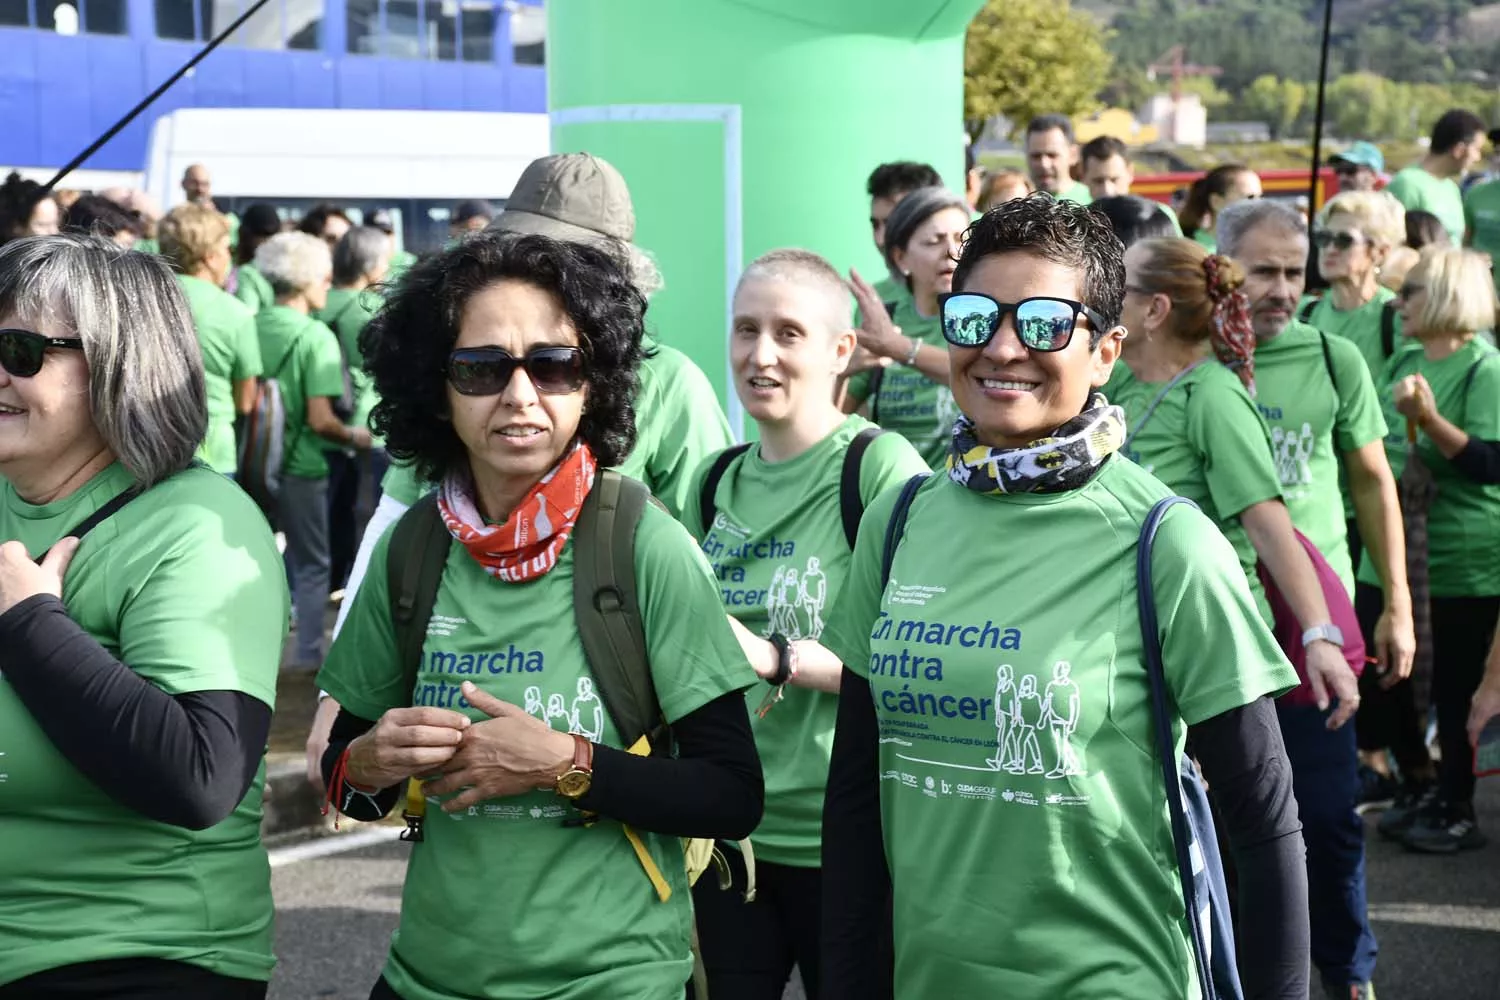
486,371
970,319
1323,239
22,351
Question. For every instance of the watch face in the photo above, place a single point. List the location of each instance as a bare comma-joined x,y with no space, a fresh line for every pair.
573,784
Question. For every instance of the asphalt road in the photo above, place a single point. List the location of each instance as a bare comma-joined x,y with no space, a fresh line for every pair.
1437,918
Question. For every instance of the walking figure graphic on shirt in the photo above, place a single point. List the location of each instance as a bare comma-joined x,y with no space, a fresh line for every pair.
588,711
1027,715
812,595
782,600
533,705
1061,705
557,708
1004,732
1293,451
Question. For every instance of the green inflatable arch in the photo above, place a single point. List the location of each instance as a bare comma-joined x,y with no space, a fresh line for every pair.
746,125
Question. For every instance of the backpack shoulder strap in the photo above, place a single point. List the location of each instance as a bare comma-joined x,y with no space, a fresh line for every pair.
896,526
710,488
1328,361
1305,313
607,610
1166,746
414,564
851,505
1388,329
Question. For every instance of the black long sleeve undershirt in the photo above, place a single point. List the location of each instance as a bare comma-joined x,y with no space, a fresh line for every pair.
1479,460
712,788
187,760
1244,762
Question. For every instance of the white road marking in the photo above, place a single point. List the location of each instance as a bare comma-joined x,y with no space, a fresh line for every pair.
337,844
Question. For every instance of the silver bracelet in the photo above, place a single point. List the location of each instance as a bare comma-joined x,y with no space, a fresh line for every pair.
911,356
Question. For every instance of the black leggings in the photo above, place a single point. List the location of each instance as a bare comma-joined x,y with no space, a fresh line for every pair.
749,949
132,979
1387,717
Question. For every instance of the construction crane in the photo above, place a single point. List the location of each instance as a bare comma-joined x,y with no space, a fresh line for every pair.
1172,61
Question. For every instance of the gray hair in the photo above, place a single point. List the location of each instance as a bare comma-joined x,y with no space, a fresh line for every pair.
1236,221
357,254
913,210
146,391
293,262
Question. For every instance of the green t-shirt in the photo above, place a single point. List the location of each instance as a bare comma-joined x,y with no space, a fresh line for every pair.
303,356
1360,326
347,313
1463,523
1206,441
1022,804
1315,419
779,552
1076,192
1482,220
253,289
892,290
401,262
147,245
504,900
231,353
1205,238
185,586
1416,189
679,423
910,403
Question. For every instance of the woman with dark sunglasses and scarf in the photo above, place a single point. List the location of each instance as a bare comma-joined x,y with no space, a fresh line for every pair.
142,610
506,368
992,770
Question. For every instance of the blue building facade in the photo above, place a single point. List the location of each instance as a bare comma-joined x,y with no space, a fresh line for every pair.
70,68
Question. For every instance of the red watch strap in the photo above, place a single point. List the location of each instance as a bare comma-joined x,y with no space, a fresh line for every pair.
583,754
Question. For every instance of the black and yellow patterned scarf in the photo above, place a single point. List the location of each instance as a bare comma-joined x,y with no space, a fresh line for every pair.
1061,461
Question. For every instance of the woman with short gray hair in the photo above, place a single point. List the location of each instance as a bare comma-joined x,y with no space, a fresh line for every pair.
302,355
361,261
140,612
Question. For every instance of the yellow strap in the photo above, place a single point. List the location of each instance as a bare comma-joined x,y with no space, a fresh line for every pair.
642,748
416,801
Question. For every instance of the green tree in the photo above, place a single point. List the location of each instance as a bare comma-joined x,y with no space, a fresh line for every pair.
1023,58
1279,103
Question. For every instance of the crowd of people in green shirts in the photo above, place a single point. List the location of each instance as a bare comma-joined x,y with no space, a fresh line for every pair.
893,672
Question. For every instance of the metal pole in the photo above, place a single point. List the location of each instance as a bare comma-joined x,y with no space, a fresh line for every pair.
151,98
1317,158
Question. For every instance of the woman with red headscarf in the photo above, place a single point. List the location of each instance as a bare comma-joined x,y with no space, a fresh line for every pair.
1193,424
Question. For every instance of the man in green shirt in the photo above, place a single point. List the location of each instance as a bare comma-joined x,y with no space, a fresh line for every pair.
1432,185
1315,393
1482,223
887,185
1108,173
1051,155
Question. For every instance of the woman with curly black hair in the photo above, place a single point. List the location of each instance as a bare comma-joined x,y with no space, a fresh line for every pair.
26,209
506,368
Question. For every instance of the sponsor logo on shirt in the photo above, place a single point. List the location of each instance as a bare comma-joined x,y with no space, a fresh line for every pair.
442,626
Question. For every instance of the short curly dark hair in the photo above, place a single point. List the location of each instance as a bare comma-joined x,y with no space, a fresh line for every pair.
1059,231
406,346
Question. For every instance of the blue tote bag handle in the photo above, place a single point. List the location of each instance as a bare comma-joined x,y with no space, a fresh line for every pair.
1200,869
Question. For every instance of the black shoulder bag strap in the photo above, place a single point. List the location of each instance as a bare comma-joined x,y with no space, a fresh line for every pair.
1328,364
896,526
878,375
98,517
1166,746
1306,311
851,504
1388,329
708,492
608,612
414,570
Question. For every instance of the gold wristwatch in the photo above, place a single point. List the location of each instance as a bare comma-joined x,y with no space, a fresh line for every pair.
574,783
